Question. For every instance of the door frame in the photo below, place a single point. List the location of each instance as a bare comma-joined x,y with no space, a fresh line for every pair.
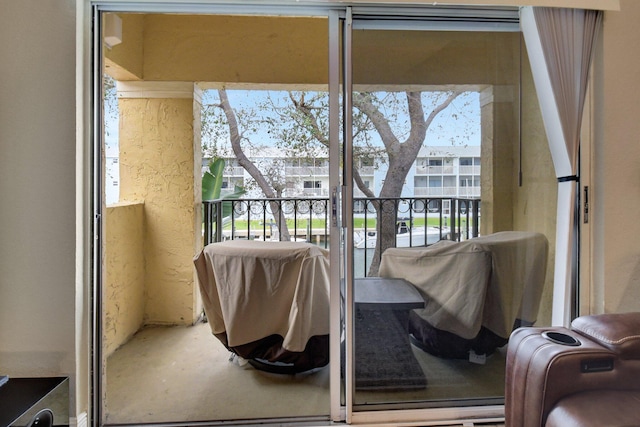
355,416
339,184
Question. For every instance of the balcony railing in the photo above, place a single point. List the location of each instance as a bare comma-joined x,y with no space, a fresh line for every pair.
306,170
466,192
470,170
435,170
308,219
234,171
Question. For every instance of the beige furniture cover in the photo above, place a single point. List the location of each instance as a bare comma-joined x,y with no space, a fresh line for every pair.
254,289
488,281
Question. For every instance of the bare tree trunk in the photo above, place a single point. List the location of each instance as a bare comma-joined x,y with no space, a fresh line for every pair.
250,167
401,158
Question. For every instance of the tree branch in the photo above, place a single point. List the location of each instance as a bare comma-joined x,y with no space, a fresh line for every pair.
319,135
237,147
380,122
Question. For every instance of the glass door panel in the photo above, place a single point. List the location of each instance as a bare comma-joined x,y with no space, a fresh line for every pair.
224,108
437,166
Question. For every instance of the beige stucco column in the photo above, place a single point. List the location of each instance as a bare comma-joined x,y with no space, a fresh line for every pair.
160,166
499,133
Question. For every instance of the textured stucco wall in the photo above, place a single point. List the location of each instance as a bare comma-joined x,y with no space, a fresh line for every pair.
211,48
124,286
157,166
535,202
505,204
499,138
227,49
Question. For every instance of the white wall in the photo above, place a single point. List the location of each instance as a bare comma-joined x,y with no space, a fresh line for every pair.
37,187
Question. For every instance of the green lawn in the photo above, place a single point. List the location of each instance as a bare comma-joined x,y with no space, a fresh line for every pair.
302,224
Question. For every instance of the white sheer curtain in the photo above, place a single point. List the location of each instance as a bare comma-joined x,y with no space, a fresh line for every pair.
560,47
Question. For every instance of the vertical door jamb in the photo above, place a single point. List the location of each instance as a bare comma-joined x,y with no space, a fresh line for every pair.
347,213
335,327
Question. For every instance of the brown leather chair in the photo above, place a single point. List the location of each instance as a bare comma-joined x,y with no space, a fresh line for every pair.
588,375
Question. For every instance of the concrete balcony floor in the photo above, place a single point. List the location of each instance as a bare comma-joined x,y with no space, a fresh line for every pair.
184,374
166,374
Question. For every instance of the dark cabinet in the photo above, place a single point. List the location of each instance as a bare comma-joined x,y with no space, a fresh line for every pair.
22,398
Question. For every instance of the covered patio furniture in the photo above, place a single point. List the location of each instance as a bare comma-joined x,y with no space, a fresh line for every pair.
475,291
268,302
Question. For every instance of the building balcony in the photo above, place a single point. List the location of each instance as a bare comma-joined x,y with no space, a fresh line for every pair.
469,192
435,170
305,171
315,192
234,171
435,191
448,170
469,170
447,191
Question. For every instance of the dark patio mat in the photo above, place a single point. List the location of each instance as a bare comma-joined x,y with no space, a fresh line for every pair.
383,356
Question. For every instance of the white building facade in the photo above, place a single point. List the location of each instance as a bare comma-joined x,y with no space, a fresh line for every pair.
439,171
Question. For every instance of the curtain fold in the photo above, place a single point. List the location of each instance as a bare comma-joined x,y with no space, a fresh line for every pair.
560,44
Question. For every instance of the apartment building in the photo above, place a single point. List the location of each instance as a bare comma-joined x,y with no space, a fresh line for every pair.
438,171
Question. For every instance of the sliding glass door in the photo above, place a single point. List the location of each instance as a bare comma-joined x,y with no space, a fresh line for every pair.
442,189
421,145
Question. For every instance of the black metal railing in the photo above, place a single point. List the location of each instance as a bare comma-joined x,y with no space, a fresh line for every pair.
267,219
308,219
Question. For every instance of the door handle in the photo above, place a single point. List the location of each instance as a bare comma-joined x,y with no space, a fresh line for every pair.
334,206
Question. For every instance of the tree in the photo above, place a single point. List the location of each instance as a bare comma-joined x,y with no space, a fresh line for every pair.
271,182
389,125
401,145
401,155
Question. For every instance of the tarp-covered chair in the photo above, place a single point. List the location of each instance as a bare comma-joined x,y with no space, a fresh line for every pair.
476,291
268,302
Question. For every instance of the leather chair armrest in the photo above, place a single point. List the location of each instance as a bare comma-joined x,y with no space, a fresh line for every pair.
618,332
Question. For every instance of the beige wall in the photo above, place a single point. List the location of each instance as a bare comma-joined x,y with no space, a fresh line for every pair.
157,152
617,165
38,257
535,201
125,60
195,48
124,285
507,204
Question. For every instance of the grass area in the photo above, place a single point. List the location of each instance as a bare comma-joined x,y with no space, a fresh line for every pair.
303,224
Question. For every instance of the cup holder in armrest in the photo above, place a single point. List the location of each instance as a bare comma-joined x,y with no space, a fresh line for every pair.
561,338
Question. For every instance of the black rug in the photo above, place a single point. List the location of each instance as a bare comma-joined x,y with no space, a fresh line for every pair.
383,355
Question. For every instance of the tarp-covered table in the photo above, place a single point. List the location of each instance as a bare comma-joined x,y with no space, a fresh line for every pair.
268,300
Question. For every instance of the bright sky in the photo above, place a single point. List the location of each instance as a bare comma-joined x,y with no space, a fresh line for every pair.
458,125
